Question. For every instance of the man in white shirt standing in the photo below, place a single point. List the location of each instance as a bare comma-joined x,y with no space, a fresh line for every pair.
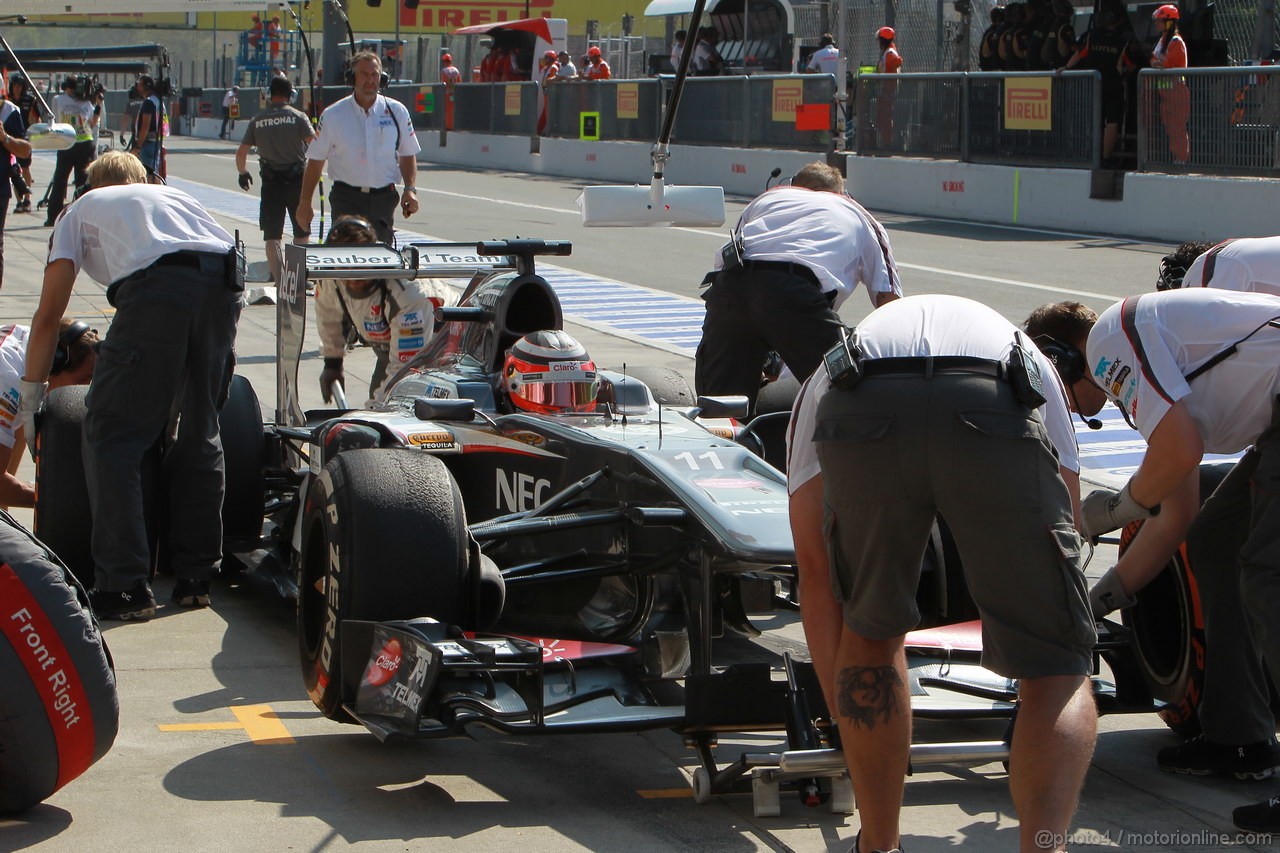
171,275
73,106
941,395
229,100
826,59
369,143
568,71
804,248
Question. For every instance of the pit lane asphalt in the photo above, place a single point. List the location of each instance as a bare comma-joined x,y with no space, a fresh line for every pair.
221,750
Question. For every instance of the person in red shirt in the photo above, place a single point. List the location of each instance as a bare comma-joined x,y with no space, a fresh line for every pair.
255,34
451,77
1175,99
597,69
273,37
890,63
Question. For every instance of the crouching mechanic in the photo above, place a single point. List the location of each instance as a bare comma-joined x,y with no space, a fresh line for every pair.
1248,265
73,362
395,317
943,421
175,283
1195,370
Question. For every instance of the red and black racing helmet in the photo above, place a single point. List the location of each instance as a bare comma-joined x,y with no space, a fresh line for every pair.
549,372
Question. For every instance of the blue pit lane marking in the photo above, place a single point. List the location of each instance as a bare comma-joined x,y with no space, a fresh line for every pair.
671,322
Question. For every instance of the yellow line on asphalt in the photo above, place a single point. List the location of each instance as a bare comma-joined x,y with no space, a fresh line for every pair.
258,721
666,793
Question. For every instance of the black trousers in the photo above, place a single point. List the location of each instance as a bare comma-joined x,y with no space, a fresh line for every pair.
378,206
751,312
77,157
4,212
226,117
279,196
168,357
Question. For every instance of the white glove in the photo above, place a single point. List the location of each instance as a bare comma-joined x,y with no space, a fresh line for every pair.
32,395
1105,510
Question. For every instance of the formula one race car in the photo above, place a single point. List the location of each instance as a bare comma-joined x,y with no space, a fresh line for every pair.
458,562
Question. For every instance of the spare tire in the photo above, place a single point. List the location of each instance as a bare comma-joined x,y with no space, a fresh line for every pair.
62,498
667,385
59,712
244,458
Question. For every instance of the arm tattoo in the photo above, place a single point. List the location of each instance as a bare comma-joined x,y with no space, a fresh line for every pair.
868,694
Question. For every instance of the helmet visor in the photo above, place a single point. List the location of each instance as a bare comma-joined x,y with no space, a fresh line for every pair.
561,394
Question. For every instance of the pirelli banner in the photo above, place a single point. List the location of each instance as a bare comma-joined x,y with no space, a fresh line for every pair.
1028,103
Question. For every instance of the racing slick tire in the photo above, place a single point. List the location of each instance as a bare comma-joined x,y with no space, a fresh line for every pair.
59,712
1167,625
778,396
384,537
668,386
244,461
62,497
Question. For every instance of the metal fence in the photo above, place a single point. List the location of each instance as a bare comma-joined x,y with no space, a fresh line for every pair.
1218,120
622,109
1006,118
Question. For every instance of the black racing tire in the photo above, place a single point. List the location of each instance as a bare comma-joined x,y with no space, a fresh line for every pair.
1167,624
59,711
62,496
244,459
667,385
384,537
777,396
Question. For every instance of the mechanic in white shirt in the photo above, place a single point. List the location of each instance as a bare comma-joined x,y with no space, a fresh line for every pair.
826,59
1247,265
936,426
230,99
72,365
369,143
1194,370
395,317
171,278
74,107
805,247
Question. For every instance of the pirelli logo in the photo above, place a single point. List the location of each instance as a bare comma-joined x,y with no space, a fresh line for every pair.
1028,103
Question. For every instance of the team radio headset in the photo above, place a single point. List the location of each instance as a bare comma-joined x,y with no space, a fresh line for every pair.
66,340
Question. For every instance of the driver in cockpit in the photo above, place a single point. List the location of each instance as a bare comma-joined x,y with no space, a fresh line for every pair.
548,373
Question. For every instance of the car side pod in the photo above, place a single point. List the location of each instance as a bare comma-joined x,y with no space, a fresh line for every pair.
657,204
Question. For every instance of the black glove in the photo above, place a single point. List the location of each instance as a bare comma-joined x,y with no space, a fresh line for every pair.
246,181
332,373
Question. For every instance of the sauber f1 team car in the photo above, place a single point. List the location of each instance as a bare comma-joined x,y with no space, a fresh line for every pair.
457,562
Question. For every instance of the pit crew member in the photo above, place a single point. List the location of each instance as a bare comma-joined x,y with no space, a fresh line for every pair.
1248,265
13,147
394,317
281,134
549,373
72,365
175,285
369,143
944,421
1194,370
148,129
597,68
803,250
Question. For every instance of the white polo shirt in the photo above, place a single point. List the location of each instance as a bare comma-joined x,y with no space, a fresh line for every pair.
1175,332
829,233
825,60
363,149
78,114
1249,265
935,325
113,232
13,359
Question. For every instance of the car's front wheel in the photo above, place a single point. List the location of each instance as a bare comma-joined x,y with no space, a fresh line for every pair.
384,537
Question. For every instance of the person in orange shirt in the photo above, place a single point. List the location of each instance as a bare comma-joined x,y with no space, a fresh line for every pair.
1175,98
273,37
890,63
255,34
451,77
597,69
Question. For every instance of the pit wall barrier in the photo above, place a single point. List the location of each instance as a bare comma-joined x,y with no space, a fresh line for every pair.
1151,206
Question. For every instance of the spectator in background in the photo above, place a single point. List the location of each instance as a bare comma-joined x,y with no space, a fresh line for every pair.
1103,49
989,46
826,59
74,107
229,100
1013,38
148,130
1062,41
13,144
707,61
493,67
568,70
451,77
21,97
255,35
273,36
597,68
1175,98
677,48
548,74
890,63
1039,33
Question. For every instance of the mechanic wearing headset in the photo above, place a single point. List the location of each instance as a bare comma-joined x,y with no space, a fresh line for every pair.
938,393
1249,265
176,284
73,362
369,142
394,317
281,134
1194,370
797,254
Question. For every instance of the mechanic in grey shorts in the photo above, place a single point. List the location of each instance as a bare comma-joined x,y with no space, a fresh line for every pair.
167,359
281,134
870,465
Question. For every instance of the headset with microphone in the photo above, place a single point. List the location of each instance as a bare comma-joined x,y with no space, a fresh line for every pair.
66,340
1071,366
